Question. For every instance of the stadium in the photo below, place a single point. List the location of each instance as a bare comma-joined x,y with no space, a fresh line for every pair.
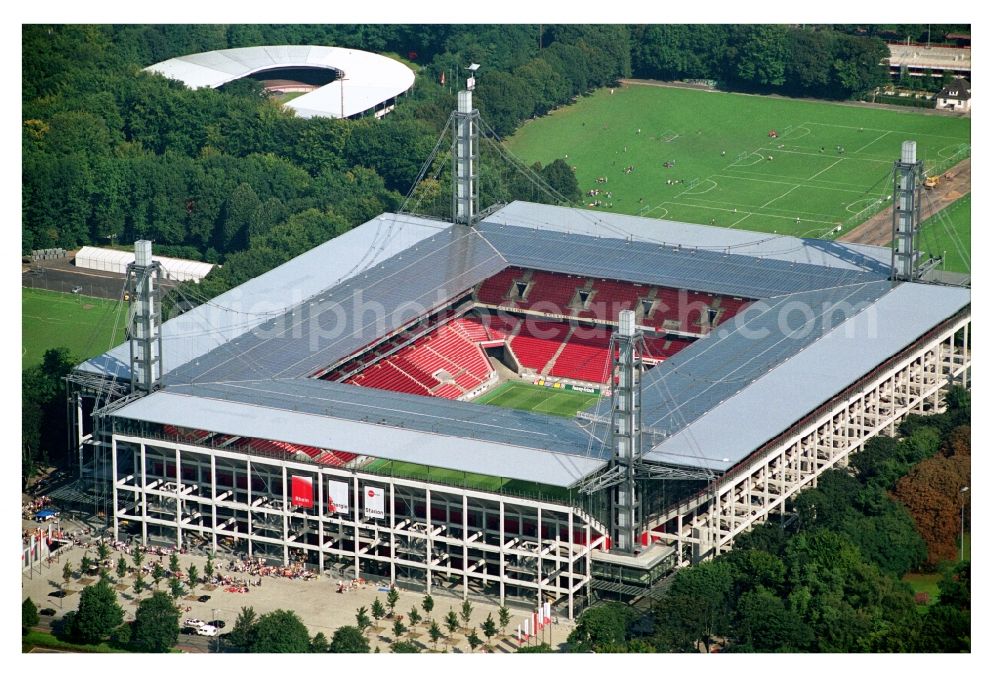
328,412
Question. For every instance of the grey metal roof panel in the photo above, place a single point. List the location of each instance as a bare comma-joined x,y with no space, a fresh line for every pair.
707,270
720,435
603,224
231,314
332,422
345,318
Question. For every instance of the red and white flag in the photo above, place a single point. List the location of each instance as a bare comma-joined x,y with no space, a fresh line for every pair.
547,607
519,639
534,624
527,628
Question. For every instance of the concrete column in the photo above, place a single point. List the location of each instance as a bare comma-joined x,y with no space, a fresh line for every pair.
503,557
142,488
114,486
320,518
538,537
177,492
358,511
249,510
214,492
465,543
392,532
284,513
427,522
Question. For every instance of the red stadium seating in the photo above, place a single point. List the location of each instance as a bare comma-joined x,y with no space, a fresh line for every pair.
584,358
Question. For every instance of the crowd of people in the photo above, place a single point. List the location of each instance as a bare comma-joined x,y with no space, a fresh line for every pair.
30,508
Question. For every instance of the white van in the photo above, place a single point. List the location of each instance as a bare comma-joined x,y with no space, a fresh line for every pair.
207,630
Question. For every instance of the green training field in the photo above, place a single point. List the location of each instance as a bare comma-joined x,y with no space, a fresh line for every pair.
949,232
538,399
81,323
726,170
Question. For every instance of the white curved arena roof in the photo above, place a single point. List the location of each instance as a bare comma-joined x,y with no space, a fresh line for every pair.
369,79
113,260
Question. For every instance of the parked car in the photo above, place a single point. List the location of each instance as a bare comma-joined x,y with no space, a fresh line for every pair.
207,630
189,630
218,624
47,611
193,622
204,598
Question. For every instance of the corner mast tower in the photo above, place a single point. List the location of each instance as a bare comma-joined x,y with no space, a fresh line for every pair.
144,339
907,172
465,157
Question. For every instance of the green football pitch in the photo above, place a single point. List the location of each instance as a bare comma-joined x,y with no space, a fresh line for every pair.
83,324
831,164
948,233
538,399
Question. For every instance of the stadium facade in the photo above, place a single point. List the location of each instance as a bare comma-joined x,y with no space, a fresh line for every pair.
319,413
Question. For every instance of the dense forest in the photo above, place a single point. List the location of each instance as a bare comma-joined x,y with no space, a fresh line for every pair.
832,581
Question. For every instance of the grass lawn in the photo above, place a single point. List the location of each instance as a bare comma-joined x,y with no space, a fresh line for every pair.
949,231
720,149
538,399
285,97
41,639
81,323
928,582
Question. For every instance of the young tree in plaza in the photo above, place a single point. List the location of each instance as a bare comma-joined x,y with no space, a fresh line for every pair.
192,576
121,569
414,616
435,633
398,628
176,588
175,563
67,573
451,622
391,599
474,640
158,574
319,643
361,619
378,611
139,585
466,612
137,558
503,618
405,647
489,628
103,551
428,605
209,569
85,565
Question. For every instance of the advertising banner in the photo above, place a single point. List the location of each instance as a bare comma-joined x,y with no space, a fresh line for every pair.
375,502
337,493
302,491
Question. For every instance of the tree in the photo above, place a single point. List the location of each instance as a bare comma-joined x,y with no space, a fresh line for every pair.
103,551
67,573
139,585
280,631
209,569
428,605
29,615
602,628
348,640
391,599
175,563
192,578
361,619
122,568
696,607
466,612
156,624
405,647
158,574
378,610
137,558
319,643
435,633
489,628
243,633
932,494
176,587
540,648
414,616
98,613
474,640
398,628
451,622
764,624
503,618
85,564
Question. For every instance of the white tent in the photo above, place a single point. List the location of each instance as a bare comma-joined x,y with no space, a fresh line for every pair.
112,260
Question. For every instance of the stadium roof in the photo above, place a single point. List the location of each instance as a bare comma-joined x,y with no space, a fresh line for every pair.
423,430
368,79
240,364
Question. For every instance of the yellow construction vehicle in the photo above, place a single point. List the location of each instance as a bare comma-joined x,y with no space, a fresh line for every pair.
931,181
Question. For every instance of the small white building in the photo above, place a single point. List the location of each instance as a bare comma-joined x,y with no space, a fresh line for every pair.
956,95
113,260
